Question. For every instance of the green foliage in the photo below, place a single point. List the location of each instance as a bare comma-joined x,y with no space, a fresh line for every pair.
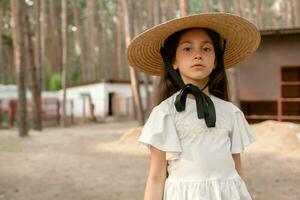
76,75
53,82
195,7
8,81
7,38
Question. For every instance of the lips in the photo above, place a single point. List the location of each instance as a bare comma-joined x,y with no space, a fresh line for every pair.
198,66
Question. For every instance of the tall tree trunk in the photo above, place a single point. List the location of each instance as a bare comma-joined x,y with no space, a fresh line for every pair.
246,5
292,13
156,21
80,41
104,70
150,14
43,23
55,53
64,59
231,73
35,90
147,77
184,7
285,13
157,12
18,20
118,42
38,60
296,6
223,6
2,67
91,39
37,51
133,75
168,9
206,6
258,14
238,8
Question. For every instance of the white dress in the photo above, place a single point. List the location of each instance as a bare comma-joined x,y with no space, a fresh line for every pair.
200,163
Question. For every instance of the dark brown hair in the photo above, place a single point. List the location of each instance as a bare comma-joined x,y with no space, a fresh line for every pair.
217,78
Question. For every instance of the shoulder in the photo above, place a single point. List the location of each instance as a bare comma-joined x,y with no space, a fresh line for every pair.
166,106
225,106
227,112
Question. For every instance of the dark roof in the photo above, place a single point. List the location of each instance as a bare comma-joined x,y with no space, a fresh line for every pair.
120,81
282,31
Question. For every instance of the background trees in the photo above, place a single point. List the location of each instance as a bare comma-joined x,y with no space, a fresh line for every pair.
93,33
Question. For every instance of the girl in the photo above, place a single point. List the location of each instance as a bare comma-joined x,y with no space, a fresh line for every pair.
194,134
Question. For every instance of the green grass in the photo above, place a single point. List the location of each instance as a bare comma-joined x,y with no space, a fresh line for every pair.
8,149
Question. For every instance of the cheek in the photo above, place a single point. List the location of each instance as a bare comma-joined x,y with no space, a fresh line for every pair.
212,59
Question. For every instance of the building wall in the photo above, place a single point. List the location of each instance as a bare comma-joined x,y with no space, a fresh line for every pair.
259,75
121,101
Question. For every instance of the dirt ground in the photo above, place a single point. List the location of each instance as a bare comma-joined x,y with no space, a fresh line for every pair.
103,162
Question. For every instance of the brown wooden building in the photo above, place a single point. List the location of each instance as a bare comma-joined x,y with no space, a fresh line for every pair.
269,81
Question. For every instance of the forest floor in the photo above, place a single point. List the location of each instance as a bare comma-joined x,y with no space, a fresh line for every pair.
102,161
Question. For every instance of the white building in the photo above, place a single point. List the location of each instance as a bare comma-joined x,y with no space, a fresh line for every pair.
108,98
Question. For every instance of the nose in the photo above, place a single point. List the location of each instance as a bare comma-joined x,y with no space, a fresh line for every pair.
198,55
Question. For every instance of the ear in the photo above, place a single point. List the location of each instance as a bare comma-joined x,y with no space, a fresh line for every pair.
175,67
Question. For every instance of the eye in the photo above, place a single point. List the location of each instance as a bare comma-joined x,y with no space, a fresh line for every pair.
187,49
207,49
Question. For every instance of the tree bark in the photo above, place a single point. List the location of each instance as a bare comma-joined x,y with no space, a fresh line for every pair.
168,9
231,73
43,23
184,7
249,15
133,75
147,77
35,89
18,20
258,14
223,6
37,53
55,40
156,12
64,60
2,67
206,5
104,70
292,13
91,39
80,41
238,8
296,5
118,42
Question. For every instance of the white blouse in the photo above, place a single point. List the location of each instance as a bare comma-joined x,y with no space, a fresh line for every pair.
200,163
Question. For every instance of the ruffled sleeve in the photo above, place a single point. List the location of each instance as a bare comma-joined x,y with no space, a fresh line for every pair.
160,132
241,135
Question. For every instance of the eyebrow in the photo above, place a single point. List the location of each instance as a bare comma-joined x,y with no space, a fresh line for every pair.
189,42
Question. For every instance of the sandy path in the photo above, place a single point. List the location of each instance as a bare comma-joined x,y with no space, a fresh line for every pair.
99,161
64,164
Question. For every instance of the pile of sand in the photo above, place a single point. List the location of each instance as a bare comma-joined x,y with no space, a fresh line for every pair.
276,137
272,137
126,144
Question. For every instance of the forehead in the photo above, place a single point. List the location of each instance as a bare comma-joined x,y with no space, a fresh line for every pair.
195,34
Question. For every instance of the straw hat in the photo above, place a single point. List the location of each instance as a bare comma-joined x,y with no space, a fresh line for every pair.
242,39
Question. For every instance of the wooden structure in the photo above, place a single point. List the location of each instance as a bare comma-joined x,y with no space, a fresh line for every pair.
50,112
269,81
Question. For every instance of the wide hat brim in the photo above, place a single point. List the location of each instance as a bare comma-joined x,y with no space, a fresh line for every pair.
242,39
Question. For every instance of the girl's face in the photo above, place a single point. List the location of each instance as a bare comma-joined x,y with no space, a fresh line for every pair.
195,57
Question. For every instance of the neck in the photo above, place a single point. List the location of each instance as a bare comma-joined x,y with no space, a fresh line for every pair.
200,85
